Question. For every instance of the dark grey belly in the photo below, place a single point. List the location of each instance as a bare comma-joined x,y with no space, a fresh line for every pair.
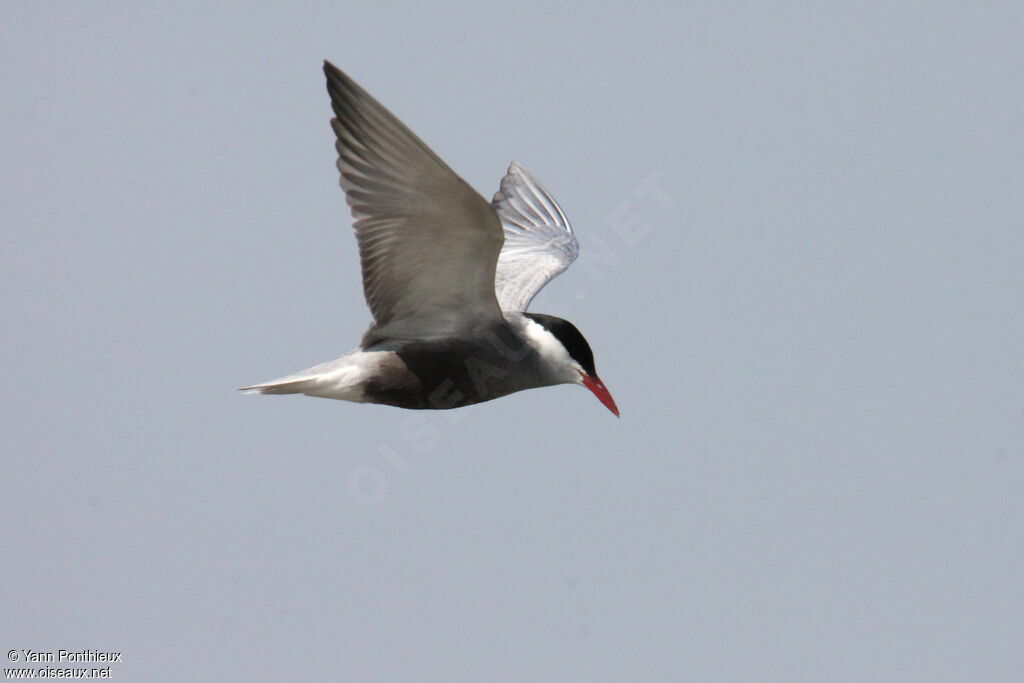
450,373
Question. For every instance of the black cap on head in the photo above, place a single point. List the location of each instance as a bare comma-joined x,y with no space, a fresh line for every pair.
570,337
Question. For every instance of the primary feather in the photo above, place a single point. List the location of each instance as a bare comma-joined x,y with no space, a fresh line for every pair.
428,242
539,242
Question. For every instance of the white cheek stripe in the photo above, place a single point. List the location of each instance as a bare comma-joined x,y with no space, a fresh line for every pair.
552,351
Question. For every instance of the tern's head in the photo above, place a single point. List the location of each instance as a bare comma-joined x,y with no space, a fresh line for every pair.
568,355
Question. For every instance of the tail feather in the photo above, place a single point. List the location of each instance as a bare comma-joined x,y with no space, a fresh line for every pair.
285,385
342,378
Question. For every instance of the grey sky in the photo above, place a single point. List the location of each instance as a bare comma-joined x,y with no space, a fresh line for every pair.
811,320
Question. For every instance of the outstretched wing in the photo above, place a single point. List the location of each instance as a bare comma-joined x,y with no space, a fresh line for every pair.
428,242
539,243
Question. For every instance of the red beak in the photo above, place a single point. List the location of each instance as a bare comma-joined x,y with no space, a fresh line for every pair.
598,388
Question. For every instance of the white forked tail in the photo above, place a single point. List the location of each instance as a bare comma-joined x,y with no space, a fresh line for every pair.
343,378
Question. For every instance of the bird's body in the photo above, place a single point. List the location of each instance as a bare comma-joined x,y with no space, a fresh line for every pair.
447,276
435,374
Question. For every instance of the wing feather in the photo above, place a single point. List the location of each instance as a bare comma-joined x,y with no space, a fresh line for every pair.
539,242
428,243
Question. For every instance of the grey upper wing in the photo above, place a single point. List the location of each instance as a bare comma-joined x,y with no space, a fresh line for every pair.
428,242
539,242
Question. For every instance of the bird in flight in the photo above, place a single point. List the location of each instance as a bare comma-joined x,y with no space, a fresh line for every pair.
447,276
